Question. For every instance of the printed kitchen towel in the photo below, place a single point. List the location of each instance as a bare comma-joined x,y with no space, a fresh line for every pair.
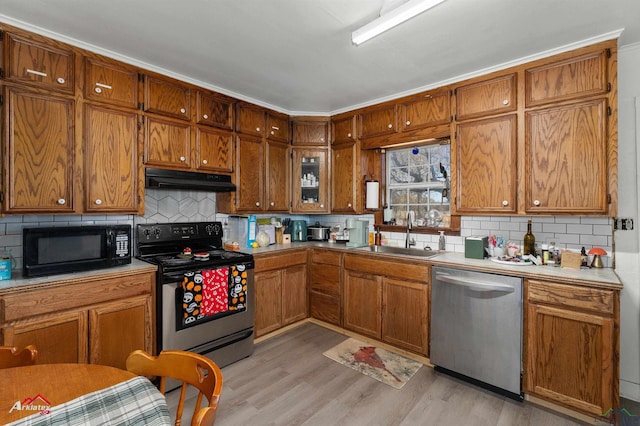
238,288
192,296
215,291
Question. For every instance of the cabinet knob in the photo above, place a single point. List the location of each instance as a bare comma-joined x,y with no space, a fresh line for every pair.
98,202
321,139
205,116
536,202
182,110
272,204
408,123
257,129
322,206
257,203
61,80
349,205
182,158
273,133
98,90
390,126
505,203
62,201
505,102
348,135
205,162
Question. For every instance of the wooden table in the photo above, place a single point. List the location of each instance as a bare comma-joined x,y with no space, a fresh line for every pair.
55,383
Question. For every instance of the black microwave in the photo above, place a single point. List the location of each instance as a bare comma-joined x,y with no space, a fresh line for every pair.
60,250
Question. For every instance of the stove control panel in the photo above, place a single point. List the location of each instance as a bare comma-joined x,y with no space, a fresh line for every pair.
167,232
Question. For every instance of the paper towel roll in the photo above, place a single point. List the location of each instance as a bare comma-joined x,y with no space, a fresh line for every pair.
373,193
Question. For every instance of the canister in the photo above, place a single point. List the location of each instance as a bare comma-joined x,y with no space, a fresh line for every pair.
6,263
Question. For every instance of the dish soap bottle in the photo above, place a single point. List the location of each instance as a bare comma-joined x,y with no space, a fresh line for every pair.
442,244
529,246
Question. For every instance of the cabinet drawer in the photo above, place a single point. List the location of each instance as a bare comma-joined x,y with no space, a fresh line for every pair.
107,82
326,257
592,299
167,98
581,76
396,268
268,263
214,110
40,64
379,122
325,279
489,97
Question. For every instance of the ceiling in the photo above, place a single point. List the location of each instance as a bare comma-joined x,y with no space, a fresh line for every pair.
296,56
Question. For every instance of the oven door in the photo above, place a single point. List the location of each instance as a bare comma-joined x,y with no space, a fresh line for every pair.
206,333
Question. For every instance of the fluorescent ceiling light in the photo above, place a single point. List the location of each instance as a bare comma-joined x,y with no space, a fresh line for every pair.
392,18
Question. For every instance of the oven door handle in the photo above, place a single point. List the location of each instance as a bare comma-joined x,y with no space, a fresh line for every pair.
173,277
474,284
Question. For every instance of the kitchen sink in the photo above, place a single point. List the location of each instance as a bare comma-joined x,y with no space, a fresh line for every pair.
404,251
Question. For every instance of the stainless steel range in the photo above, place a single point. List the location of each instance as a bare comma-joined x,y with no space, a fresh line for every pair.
204,294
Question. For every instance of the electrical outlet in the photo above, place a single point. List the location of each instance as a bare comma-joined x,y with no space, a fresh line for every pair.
622,224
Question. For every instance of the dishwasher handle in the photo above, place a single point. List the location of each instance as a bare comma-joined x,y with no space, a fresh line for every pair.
474,284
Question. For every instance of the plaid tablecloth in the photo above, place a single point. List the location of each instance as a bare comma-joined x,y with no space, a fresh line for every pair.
134,402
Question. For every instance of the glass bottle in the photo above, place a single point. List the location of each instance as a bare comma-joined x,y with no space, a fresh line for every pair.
529,243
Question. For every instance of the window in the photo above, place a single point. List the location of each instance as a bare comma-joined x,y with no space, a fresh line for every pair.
418,181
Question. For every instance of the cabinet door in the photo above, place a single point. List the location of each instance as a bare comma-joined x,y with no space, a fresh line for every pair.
250,120
580,76
214,150
310,132
310,181
167,143
486,164
111,83
277,166
294,294
167,98
111,160
324,292
249,174
278,127
344,130
570,358
59,338
116,329
214,110
48,66
405,314
427,110
378,122
344,194
41,153
362,303
566,154
489,97
268,302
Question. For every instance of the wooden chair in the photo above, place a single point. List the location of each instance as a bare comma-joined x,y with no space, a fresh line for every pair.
189,368
11,357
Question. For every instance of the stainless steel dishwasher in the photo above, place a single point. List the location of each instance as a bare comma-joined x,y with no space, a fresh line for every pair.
476,328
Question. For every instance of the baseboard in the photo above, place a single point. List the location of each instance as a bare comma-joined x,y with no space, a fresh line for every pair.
630,390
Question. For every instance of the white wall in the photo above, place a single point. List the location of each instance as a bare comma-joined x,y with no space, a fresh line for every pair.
627,242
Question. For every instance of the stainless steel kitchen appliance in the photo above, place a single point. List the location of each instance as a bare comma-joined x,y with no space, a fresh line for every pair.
476,328
318,232
222,331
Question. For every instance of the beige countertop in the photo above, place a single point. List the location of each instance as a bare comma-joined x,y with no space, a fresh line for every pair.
602,277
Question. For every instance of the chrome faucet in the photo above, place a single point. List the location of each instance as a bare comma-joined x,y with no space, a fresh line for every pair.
409,241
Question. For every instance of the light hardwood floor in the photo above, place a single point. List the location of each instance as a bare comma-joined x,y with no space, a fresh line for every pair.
287,381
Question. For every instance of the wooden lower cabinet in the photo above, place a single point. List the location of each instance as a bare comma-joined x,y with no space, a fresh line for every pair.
281,291
571,339
325,286
67,329
387,300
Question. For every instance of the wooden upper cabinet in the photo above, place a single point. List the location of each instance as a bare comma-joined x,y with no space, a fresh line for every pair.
111,163
278,127
40,156
167,98
581,76
213,110
426,110
486,164
249,174
378,122
310,132
277,166
47,65
566,154
345,161
167,143
488,97
310,180
109,82
250,120
344,129
214,150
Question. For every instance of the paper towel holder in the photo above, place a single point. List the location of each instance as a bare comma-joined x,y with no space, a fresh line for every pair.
372,194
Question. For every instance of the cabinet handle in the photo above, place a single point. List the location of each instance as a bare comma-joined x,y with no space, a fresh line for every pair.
62,201
390,126
98,202
275,127
182,110
536,202
205,162
182,158
104,86
505,203
505,102
40,73
257,129
272,204
257,203
60,80
408,123
205,116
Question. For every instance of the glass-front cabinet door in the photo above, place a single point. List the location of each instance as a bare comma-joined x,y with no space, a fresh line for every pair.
310,192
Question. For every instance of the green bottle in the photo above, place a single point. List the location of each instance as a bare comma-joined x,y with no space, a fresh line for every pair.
529,246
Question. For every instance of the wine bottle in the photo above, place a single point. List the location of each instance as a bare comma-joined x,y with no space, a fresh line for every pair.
529,246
